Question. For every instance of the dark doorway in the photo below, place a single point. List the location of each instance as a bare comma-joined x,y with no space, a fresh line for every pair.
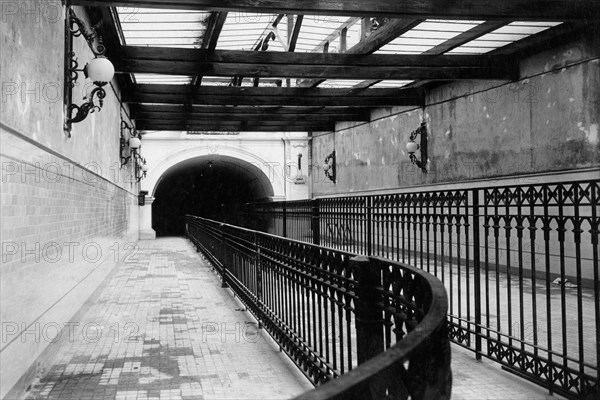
210,187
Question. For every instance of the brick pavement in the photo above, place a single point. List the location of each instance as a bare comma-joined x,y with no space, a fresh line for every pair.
164,329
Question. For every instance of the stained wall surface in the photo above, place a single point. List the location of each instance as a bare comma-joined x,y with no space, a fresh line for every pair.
547,121
69,210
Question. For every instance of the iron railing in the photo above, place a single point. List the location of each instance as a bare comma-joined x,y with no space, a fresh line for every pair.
334,313
519,262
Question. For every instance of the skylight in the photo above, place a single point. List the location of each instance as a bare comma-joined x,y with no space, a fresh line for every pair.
508,34
242,31
391,84
163,79
166,28
426,35
246,31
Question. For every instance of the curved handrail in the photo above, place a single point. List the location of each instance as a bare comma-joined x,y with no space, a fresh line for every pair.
353,384
417,366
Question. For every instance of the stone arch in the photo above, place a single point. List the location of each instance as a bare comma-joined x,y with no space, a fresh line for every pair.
270,172
267,173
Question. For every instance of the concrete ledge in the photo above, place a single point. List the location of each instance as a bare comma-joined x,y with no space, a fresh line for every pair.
147,234
41,315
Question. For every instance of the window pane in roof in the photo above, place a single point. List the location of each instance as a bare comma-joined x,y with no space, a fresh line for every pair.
503,36
132,11
165,18
166,34
447,25
391,84
174,42
162,79
318,29
521,29
533,23
405,41
146,27
426,35
418,33
493,44
339,83
402,49
243,31
509,37
470,50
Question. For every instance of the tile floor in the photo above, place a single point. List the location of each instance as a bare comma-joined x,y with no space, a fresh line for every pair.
163,328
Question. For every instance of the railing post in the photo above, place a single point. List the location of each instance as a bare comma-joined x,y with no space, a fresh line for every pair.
259,279
369,222
477,272
223,250
316,223
284,222
369,317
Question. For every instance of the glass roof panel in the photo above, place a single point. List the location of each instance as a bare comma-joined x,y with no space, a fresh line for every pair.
503,36
162,79
173,28
318,28
243,31
426,35
246,82
391,84
339,83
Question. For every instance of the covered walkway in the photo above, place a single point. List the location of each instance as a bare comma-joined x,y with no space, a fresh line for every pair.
163,328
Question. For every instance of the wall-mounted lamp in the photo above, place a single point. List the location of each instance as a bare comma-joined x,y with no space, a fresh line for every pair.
100,71
134,142
141,168
329,166
412,146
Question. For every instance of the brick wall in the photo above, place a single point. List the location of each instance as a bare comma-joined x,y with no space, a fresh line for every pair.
69,211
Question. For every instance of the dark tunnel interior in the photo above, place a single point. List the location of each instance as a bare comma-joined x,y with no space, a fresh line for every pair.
209,186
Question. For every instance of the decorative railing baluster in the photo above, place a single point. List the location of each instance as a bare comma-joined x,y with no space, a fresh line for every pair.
320,305
511,293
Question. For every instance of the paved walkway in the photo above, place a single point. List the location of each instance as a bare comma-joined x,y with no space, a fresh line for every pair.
164,329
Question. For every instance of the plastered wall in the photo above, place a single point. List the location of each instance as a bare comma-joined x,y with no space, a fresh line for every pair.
68,209
545,122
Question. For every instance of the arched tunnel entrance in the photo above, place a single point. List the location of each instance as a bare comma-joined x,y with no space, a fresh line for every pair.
212,186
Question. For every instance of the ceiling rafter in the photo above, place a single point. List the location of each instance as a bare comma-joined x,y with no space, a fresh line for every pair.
267,96
234,116
248,110
200,107
530,10
451,43
373,42
237,126
177,61
294,32
336,33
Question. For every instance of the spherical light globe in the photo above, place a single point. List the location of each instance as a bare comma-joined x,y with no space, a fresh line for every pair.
135,143
411,147
144,168
100,70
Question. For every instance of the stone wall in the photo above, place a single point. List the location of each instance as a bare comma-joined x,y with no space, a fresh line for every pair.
547,121
68,209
